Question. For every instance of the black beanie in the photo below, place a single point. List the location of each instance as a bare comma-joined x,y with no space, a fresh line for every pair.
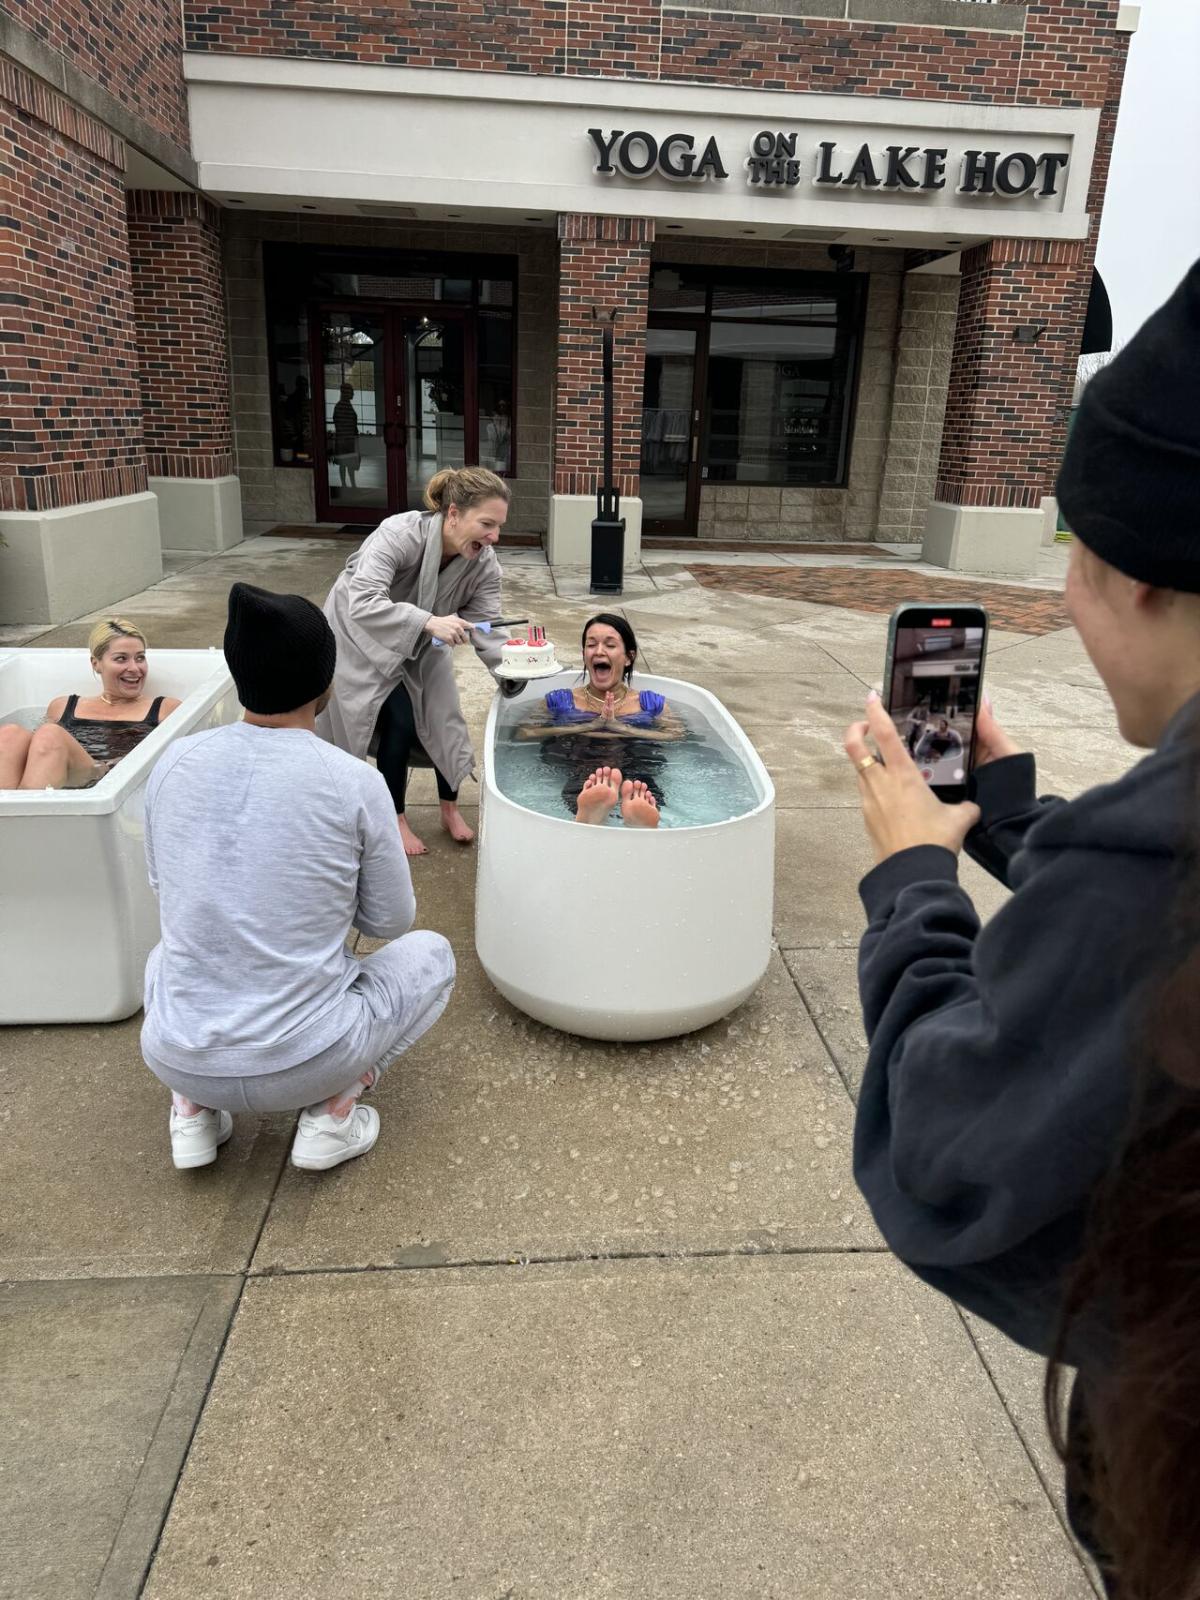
280,650
1129,487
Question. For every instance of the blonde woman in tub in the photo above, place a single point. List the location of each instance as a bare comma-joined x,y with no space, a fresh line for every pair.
418,585
605,716
84,735
266,845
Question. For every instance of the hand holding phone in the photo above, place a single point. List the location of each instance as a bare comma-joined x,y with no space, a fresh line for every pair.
933,680
899,807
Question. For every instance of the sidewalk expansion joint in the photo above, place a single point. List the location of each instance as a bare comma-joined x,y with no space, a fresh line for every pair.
733,1252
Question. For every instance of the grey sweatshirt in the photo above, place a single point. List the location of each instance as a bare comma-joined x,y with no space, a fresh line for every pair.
265,845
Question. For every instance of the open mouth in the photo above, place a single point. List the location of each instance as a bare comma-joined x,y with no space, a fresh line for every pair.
601,671
474,548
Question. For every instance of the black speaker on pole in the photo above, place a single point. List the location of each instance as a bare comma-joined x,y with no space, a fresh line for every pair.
608,525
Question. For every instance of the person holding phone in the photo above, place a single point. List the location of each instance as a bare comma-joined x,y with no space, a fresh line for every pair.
1028,1132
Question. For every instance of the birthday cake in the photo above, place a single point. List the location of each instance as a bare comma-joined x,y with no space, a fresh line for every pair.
530,657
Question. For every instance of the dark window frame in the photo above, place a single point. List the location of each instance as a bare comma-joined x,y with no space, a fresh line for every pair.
847,290
291,282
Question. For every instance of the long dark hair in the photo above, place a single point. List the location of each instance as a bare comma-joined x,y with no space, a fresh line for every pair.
1133,1447
610,620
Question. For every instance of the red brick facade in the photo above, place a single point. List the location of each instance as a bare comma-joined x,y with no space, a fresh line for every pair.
69,373
643,40
604,262
1009,402
179,300
133,51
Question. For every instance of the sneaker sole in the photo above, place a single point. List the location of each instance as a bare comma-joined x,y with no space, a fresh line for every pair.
202,1158
324,1163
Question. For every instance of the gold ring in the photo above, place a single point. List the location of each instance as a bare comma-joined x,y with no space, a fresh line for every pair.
867,761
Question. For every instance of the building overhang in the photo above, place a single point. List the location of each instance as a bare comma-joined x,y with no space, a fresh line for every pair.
283,134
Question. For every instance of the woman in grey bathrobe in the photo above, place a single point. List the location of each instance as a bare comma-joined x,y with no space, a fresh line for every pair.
420,576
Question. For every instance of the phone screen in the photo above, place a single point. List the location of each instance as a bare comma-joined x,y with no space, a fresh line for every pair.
937,662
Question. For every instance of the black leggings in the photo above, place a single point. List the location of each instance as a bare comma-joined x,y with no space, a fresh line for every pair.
398,743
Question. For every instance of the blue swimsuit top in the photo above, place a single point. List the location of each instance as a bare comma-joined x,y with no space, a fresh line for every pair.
560,703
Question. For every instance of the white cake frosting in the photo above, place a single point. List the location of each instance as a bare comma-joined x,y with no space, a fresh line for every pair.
530,657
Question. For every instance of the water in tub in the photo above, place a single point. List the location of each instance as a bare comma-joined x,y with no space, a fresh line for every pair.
31,719
696,779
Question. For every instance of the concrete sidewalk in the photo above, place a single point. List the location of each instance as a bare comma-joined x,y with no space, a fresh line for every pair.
590,1321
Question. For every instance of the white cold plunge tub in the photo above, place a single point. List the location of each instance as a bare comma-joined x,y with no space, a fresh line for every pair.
79,917
625,933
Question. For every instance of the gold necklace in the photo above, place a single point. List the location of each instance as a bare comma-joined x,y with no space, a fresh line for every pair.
106,699
599,699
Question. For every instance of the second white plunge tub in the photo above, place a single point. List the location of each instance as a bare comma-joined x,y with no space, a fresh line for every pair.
79,916
691,908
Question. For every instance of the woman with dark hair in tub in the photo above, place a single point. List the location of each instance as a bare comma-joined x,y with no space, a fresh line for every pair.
604,725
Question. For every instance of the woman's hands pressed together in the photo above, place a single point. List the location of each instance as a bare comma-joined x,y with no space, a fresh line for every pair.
899,808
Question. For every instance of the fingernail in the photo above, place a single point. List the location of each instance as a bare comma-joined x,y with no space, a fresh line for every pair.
987,700
874,695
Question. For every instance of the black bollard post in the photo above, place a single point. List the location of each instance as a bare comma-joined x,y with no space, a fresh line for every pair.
608,526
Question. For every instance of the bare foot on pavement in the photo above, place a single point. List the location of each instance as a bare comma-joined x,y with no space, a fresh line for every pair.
412,845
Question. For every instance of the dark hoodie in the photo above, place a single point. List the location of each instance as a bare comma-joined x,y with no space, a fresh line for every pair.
1001,1066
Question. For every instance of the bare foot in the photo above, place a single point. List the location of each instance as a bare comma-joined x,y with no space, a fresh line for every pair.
412,845
639,809
455,823
598,795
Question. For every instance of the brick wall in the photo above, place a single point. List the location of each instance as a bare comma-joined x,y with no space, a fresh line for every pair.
179,302
838,57
133,51
643,40
1009,403
1005,418
72,412
605,262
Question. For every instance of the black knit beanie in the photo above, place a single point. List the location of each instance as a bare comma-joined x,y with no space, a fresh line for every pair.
1129,487
280,650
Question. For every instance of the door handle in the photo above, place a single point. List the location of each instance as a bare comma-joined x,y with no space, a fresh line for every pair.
695,446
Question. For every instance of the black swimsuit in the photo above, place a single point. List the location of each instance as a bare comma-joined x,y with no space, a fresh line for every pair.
104,740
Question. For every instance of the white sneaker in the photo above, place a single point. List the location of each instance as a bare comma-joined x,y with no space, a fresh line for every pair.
195,1140
323,1142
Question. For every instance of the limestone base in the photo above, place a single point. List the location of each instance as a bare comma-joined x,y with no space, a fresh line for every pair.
996,541
202,514
58,565
569,539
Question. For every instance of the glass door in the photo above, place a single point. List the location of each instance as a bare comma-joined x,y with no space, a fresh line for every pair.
357,475
670,468
436,399
394,395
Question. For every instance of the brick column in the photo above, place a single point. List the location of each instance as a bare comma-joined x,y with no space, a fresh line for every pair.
604,262
79,526
179,304
1009,401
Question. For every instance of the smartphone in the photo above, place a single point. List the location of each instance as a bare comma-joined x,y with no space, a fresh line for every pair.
931,686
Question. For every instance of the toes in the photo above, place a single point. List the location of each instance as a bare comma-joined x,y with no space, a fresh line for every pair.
628,790
616,776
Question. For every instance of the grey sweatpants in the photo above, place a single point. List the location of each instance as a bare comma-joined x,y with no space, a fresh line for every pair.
403,988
